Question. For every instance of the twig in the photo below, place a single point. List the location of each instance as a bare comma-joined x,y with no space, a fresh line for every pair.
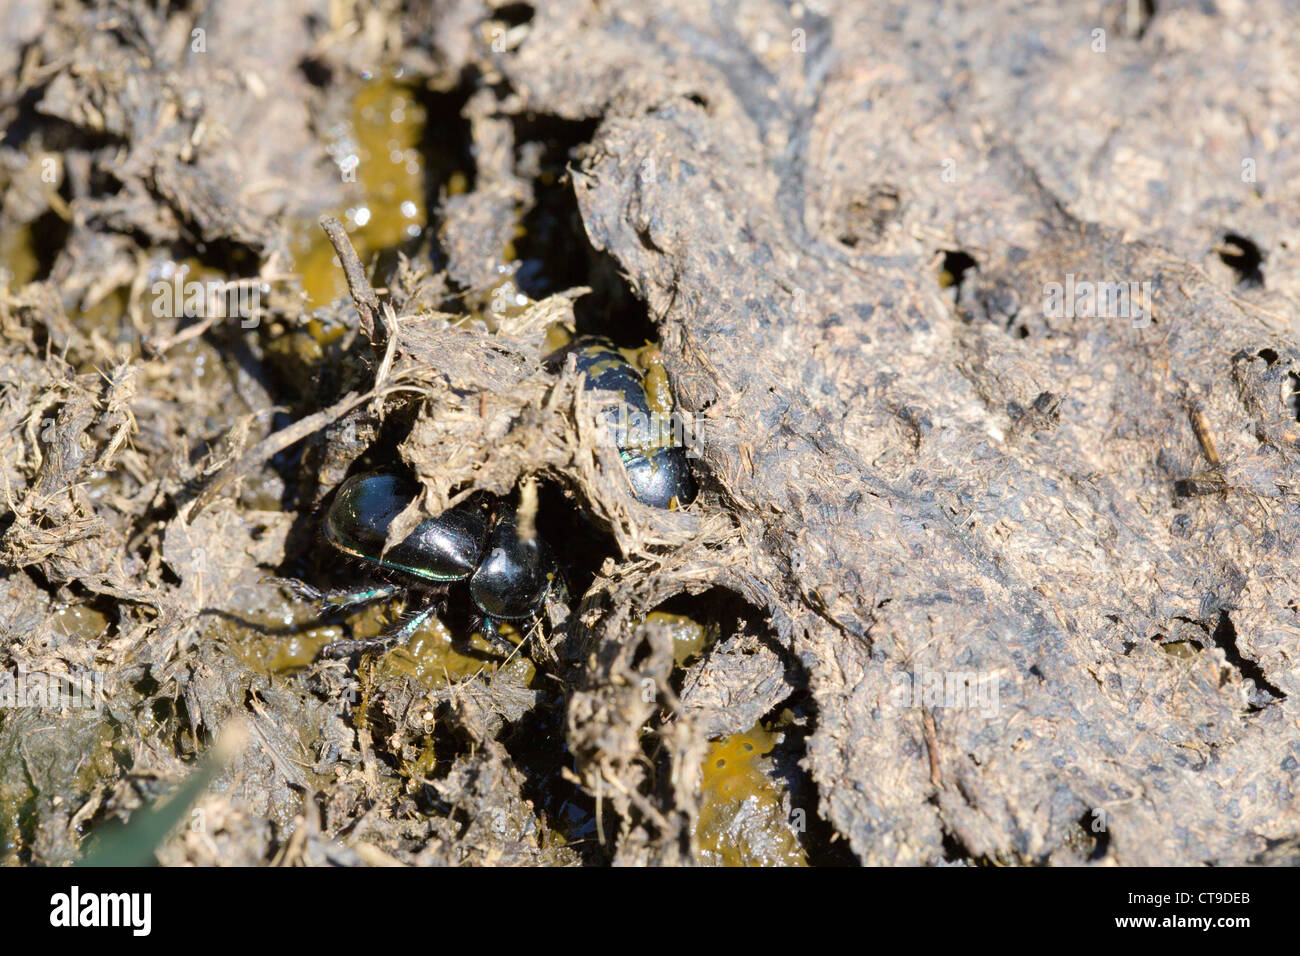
932,747
272,445
527,511
363,294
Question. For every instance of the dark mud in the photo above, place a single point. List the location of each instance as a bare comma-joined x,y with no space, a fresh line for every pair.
971,577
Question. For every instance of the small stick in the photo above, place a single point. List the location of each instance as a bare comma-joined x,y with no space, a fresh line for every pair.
271,445
932,747
363,294
527,513
1201,426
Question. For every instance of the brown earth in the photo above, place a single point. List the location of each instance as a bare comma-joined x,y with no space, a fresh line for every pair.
1009,583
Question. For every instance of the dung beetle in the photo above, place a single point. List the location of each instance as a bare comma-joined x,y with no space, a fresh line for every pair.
661,479
656,467
477,541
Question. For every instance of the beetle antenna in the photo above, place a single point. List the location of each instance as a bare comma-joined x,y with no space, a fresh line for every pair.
514,650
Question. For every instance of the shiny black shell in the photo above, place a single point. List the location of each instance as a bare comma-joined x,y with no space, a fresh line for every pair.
662,479
659,477
607,370
445,548
515,576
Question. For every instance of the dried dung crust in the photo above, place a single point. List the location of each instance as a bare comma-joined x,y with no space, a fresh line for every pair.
1094,519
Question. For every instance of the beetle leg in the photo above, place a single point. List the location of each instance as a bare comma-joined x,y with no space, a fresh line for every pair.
398,635
345,597
487,627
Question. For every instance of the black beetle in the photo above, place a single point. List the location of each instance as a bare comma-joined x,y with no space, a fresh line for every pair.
659,472
510,578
